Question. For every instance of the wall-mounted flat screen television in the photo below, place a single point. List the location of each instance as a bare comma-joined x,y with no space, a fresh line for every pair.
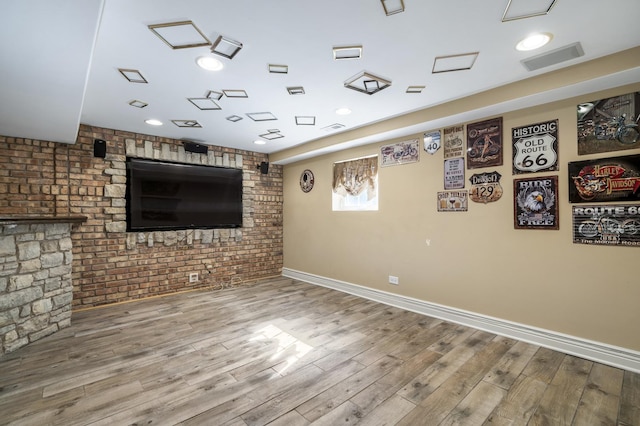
173,196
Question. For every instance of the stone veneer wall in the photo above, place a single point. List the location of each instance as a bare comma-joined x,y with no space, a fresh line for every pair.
35,282
112,265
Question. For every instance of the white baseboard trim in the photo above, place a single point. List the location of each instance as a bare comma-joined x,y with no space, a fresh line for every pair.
614,356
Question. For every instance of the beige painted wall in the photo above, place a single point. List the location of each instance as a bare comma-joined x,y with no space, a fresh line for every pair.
476,261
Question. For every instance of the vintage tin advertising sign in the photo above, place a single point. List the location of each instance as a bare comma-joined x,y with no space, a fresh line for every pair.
607,225
432,141
484,143
605,179
454,173
535,147
453,142
535,203
453,201
610,124
485,187
400,153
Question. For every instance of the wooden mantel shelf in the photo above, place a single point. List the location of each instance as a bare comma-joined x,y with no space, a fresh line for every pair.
26,220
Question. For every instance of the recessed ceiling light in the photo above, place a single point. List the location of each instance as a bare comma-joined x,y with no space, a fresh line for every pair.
153,122
209,63
343,111
534,41
259,142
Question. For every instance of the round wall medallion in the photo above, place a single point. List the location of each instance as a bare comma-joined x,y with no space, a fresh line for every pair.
306,180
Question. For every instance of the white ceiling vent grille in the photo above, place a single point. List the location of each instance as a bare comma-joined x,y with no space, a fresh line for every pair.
553,57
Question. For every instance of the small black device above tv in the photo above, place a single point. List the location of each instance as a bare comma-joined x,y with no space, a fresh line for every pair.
173,196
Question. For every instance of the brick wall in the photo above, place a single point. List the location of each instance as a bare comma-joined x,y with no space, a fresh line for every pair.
110,265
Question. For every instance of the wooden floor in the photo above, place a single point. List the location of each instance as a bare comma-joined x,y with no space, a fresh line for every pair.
283,352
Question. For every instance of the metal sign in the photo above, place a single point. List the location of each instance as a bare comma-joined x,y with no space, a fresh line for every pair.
432,141
485,187
536,203
535,147
610,124
484,143
605,179
607,225
400,153
454,173
454,141
452,201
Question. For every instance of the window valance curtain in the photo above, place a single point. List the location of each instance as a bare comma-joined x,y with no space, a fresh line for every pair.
355,176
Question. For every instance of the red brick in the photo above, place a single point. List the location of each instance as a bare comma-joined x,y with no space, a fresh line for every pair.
44,177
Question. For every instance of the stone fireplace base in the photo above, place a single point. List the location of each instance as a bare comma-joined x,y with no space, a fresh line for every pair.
35,278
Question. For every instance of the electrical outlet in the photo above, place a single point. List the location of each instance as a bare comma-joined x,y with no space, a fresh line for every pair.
193,277
393,280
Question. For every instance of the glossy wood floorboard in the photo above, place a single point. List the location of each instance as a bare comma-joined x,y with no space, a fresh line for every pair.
282,352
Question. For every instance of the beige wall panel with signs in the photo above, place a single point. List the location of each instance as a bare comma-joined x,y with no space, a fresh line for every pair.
474,261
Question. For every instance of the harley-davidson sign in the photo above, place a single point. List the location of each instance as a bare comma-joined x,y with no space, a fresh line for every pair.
605,179
535,147
609,225
485,187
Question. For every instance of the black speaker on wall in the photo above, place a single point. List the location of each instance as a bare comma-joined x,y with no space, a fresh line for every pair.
264,167
99,148
195,147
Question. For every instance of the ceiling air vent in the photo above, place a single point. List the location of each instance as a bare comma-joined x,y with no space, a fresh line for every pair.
553,57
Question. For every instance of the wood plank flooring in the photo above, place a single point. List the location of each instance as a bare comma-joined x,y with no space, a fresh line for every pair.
282,352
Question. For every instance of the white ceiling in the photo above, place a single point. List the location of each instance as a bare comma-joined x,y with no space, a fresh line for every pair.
60,61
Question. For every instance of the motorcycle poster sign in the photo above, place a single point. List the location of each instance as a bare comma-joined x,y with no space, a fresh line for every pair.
609,124
432,141
607,225
400,153
535,147
535,203
485,187
453,142
484,143
605,179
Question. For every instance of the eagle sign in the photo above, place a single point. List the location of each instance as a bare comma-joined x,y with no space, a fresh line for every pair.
536,200
536,203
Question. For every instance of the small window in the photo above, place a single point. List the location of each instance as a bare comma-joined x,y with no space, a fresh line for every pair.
355,185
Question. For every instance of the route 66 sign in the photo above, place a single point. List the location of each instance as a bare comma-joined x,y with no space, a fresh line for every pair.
535,147
432,141
485,187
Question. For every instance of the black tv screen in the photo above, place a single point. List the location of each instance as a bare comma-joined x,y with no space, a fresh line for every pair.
171,196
